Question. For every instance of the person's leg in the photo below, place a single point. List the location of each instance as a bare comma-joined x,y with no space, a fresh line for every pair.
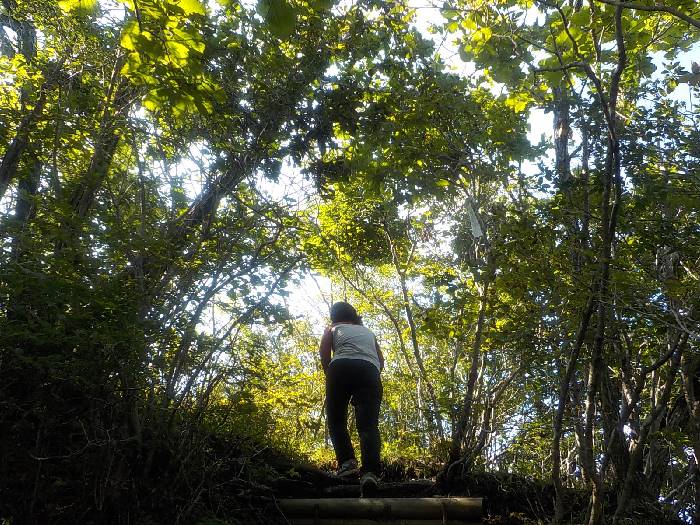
337,399
367,397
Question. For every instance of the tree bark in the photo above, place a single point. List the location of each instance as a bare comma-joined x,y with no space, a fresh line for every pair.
562,133
635,470
612,180
108,138
25,208
13,154
564,385
691,391
465,413
435,409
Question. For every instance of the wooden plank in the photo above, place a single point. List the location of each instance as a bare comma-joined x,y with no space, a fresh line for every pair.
359,521
465,509
405,489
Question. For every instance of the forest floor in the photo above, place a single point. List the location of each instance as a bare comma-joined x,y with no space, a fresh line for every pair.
509,499
235,485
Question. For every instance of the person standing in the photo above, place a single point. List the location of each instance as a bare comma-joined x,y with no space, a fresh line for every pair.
352,362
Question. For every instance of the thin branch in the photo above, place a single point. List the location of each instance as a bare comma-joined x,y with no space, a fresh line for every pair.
679,488
655,8
683,326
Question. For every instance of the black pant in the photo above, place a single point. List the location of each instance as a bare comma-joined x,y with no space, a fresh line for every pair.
359,380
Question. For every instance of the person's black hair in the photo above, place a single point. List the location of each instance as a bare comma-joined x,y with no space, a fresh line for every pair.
342,312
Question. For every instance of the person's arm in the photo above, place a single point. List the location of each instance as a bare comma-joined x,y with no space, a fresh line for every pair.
325,348
379,354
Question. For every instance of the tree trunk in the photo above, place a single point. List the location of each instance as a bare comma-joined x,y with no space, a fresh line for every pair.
13,154
613,421
435,410
401,273
595,514
691,391
611,180
465,414
562,133
635,470
25,207
105,147
564,385
695,472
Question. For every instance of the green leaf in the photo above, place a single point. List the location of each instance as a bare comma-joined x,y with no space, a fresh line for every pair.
563,39
323,5
190,39
647,67
581,18
192,7
131,31
482,35
465,53
177,51
518,102
279,15
152,101
80,6
468,24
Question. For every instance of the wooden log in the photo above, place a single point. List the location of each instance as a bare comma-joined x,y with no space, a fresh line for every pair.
465,509
357,521
405,489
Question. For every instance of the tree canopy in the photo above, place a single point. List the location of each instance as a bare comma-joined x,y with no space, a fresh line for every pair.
176,174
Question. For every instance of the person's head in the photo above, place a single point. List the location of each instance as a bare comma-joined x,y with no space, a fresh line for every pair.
342,312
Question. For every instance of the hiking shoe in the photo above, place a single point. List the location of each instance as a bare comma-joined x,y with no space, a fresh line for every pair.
348,468
369,485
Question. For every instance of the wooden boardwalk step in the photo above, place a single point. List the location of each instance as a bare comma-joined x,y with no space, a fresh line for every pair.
380,511
357,521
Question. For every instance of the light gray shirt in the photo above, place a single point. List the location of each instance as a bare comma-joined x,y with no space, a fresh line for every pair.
354,341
